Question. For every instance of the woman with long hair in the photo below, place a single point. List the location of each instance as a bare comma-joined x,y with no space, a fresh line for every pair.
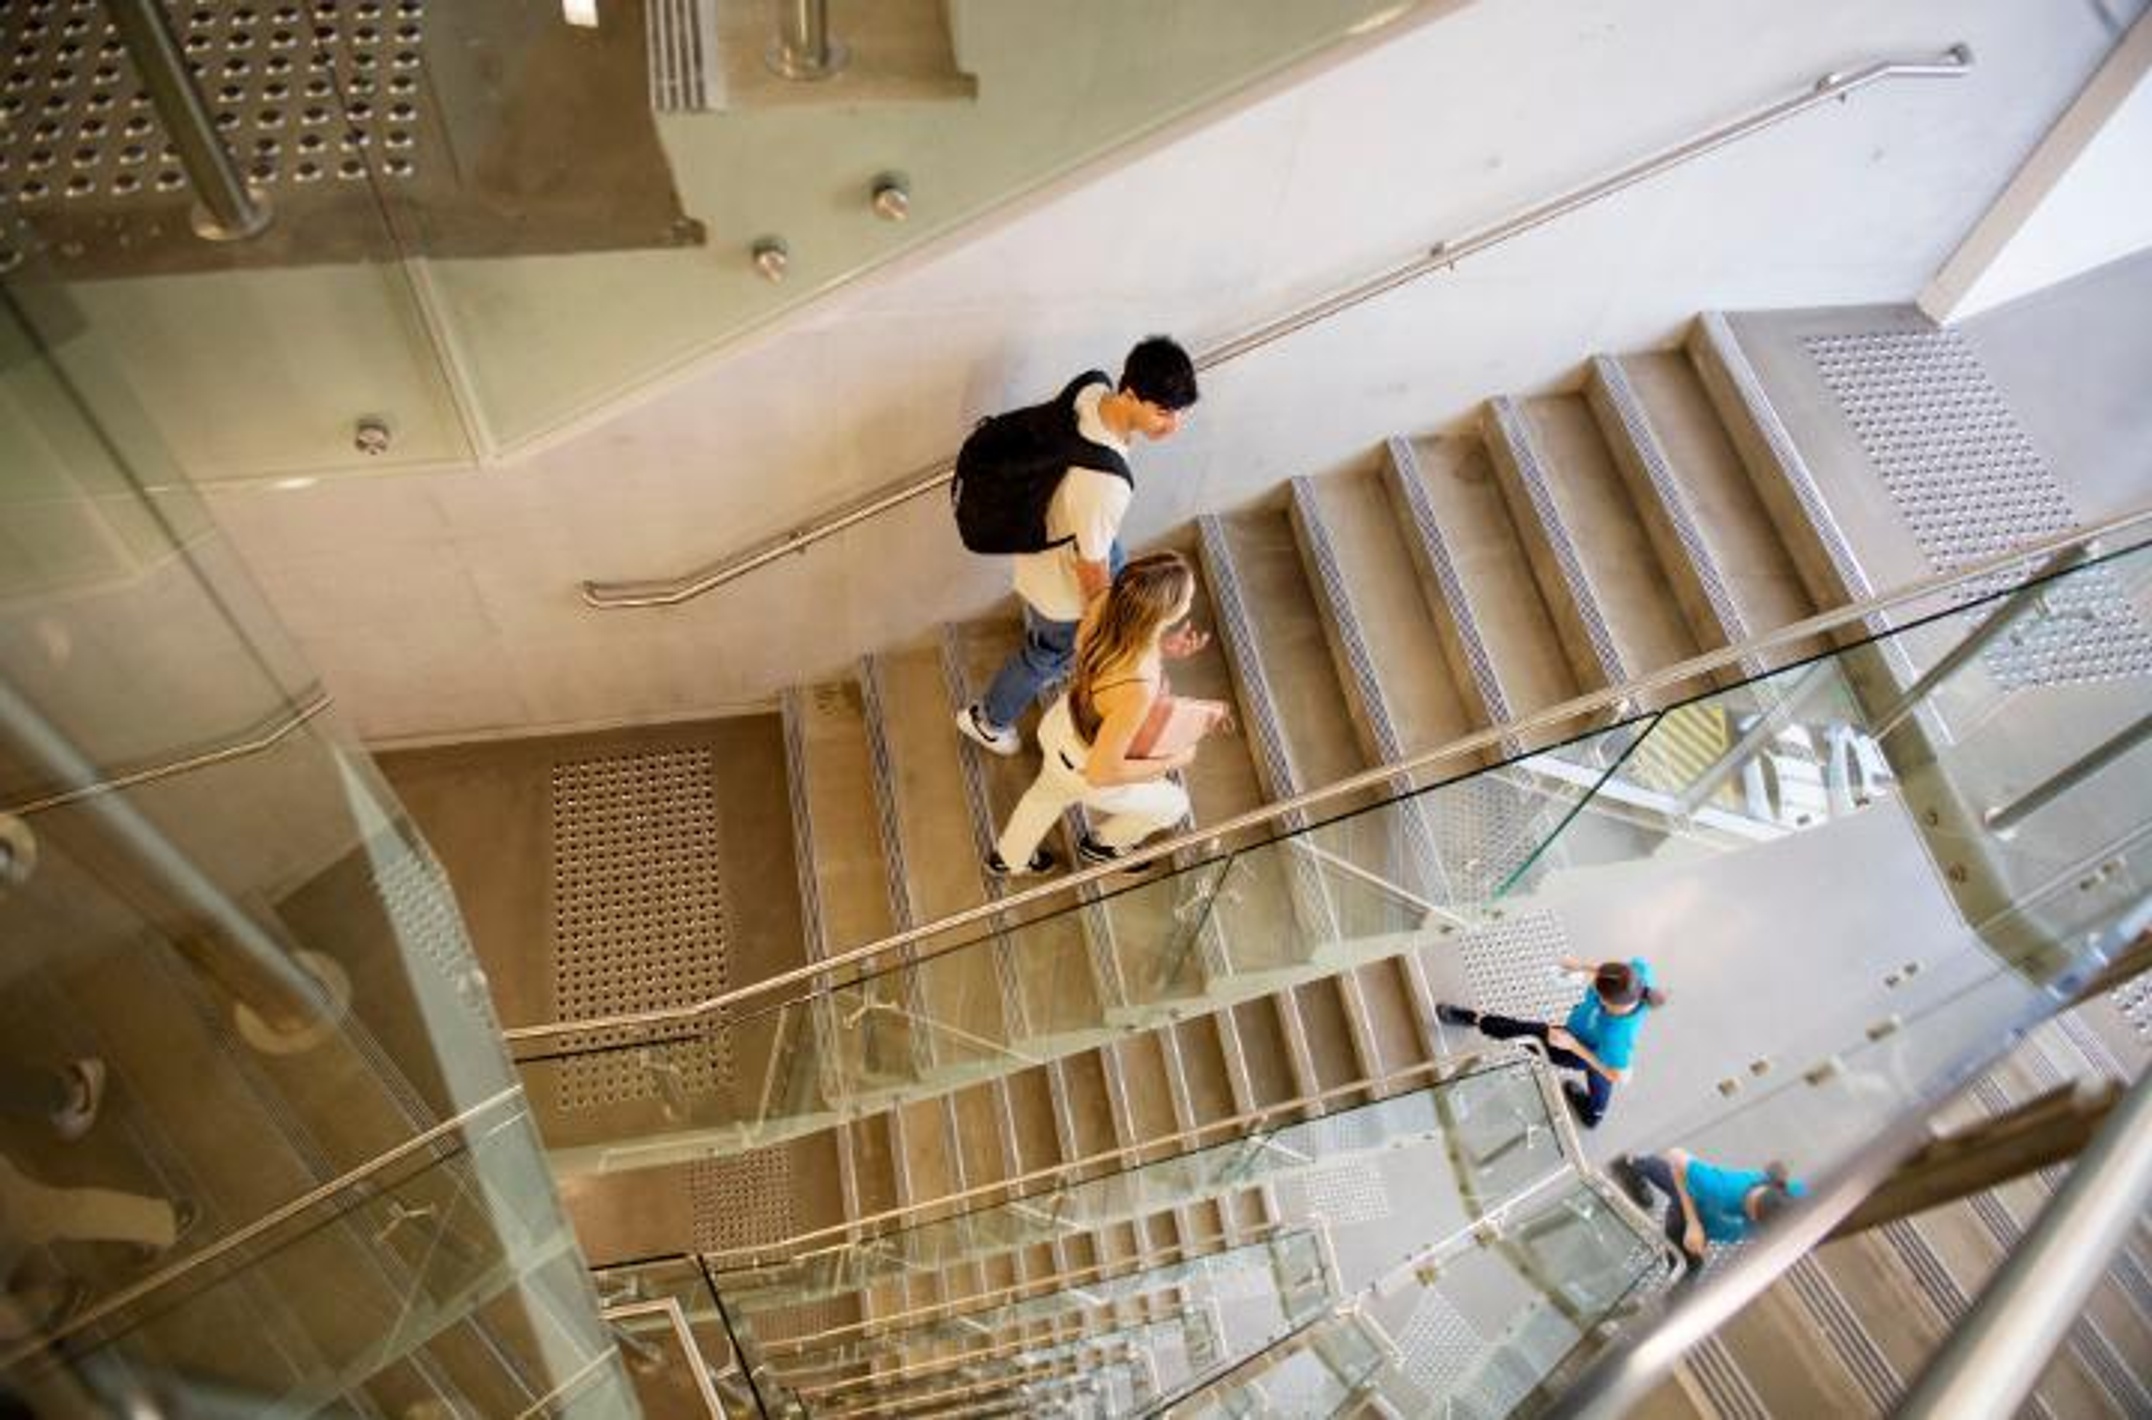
1093,740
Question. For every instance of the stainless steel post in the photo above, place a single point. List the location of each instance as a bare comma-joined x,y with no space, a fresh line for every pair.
2004,818
804,49
1991,1362
229,210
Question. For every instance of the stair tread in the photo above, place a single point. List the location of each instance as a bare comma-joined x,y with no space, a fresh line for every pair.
1730,513
1619,563
942,870
850,875
1495,574
1054,971
1421,699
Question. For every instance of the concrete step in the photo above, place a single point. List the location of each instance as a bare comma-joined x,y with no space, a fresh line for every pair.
844,901
1818,549
1587,542
1299,733
963,999
1732,575
1494,625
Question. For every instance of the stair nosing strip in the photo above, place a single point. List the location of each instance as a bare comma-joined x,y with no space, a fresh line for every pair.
1628,408
1408,483
1847,1333
1524,453
1266,734
1365,684
1719,1375
1725,349
1102,941
896,874
1016,1015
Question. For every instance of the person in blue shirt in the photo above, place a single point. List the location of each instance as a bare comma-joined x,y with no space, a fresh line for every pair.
1707,1203
1598,1038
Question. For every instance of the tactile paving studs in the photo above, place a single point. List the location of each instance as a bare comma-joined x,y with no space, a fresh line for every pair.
68,68
1348,1193
742,1201
1436,1346
1514,969
638,916
1955,460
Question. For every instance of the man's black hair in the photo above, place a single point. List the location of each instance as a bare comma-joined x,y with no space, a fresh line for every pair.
1160,372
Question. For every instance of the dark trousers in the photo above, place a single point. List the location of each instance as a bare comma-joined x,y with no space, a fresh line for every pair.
1598,1089
1657,1172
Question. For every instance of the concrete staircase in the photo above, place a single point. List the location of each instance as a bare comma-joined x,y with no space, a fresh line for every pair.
1570,541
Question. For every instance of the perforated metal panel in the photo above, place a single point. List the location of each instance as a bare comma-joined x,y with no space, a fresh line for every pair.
1486,827
638,914
1971,484
1513,967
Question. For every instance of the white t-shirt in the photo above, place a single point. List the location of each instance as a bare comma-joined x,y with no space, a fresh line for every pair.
1088,505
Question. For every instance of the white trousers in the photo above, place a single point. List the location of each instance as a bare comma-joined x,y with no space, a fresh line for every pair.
1133,811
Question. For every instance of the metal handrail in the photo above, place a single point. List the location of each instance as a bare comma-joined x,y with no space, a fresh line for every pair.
246,1233
1567,713
1996,1354
1106,1162
1613,1385
675,1318
276,733
1443,255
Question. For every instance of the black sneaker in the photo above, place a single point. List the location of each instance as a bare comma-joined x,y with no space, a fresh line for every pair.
1092,851
1455,1015
1042,861
1580,1104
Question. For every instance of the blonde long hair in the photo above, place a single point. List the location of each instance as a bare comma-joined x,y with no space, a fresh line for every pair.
1144,599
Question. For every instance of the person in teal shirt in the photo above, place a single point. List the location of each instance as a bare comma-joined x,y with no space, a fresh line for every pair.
1707,1203
1599,1036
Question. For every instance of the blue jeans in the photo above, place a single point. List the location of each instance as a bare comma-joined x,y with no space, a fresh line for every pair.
1049,649
1041,662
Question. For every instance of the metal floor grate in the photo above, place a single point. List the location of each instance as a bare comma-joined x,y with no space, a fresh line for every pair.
638,913
1971,484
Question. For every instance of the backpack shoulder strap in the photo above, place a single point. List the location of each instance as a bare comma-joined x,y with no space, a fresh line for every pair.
1069,391
1082,453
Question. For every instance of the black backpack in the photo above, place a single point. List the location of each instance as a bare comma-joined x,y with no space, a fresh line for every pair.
1008,469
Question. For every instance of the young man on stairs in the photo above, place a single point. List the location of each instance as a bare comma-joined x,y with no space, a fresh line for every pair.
1158,383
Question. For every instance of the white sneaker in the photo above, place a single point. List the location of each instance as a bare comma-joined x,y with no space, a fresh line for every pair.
1003,740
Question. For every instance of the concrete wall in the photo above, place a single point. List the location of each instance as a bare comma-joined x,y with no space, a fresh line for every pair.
2082,200
444,605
